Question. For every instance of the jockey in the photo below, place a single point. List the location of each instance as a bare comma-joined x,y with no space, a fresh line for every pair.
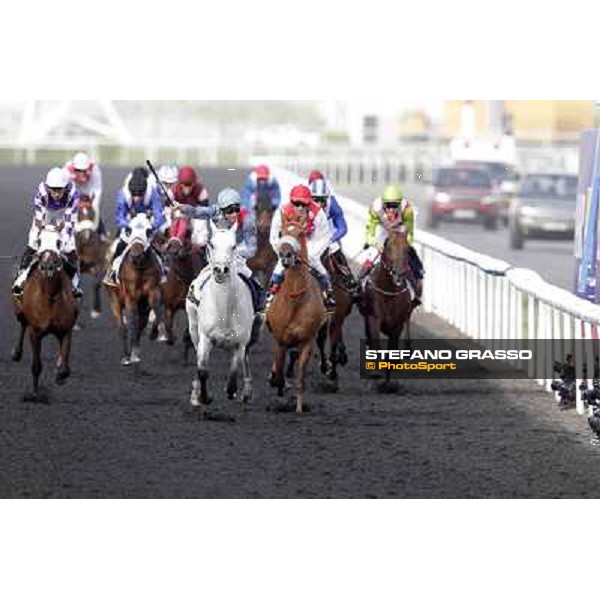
321,194
259,181
391,205
56,200
228,213
190,190
318,237
314,175
87,178
136,196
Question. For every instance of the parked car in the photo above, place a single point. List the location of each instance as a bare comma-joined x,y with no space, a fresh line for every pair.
505,180
463,193
544,207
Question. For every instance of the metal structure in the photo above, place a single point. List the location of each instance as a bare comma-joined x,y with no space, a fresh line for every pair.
78,122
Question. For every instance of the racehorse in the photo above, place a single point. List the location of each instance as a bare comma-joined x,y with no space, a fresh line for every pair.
220,313
387,302
139,275
47,306
297,311
178,252
333,329
263,262
91,250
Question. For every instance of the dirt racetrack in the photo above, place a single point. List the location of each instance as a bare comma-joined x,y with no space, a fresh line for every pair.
111,432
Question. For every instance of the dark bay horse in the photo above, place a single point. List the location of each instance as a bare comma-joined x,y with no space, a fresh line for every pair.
387,303
139,289
182,271
47,307
297,311
91,250
332,330
263,262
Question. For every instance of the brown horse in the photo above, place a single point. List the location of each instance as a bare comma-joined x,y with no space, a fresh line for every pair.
91,250
387,302
182,271
333,329
139,290
46,307
297,311
263,262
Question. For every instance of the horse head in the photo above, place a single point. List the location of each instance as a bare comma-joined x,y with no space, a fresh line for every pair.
221,248
85,224
395,253
292,244
49,252
138,236
180,235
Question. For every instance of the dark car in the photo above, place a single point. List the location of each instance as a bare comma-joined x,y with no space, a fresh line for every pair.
544,207
463,193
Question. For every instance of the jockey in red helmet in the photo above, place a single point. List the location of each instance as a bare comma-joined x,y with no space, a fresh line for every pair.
318,238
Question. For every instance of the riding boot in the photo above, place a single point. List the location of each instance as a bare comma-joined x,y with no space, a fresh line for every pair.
258,295
328,295
102,232
71,262
111,276
347,274
418,293
26,260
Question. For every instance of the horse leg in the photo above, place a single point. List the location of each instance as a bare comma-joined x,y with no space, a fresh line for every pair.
277,380
321,341
132,338
17,352
203,351
303,359
167,335
36,363
289,373
335,335
247,389
342,357
155,304
187,344
63,370
237,358
97,310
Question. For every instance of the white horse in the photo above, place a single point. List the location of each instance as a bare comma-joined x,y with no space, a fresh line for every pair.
220,313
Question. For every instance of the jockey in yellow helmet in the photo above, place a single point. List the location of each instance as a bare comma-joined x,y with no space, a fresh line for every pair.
390,206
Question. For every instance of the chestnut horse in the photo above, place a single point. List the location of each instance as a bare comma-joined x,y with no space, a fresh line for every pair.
387,302
179,255
332,331
297,311
91,250
263,262
47,306
139,287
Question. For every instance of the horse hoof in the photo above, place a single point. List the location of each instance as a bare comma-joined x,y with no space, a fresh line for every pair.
135,359
126,361
16,355
77,327
62,375
95,314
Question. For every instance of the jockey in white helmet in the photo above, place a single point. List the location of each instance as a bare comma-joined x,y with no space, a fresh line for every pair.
55,201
